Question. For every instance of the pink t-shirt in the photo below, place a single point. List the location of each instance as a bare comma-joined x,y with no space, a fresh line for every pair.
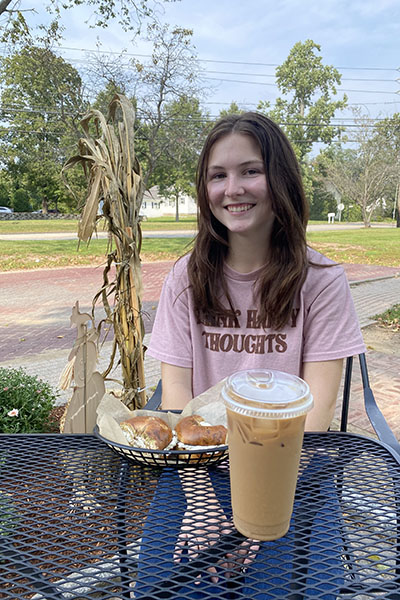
323,326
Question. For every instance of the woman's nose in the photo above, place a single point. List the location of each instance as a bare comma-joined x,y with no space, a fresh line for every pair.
233,186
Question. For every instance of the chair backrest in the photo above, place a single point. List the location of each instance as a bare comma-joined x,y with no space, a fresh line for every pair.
346,393
154,402
375,416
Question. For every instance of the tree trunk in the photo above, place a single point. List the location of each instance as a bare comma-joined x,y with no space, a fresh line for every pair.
366,218
398,206
177,206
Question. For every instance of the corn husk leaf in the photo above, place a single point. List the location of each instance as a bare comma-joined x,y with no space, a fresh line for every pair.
106,152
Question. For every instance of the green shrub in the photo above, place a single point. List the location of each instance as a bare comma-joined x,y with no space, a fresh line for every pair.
21,202
25,403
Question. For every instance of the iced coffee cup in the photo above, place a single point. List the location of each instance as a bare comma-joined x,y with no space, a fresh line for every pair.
266,412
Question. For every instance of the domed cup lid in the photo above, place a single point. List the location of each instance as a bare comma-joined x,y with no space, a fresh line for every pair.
267,394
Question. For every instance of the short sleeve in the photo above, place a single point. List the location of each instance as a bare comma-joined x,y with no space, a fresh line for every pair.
170,340
331,327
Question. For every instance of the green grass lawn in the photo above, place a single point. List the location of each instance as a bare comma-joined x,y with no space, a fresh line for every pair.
38,226
65,253
71,225
188,222
374,246
363,246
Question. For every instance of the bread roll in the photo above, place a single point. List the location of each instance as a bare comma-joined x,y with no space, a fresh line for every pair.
147,432
194,431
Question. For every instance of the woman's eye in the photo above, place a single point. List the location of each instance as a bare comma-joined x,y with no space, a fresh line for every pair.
252,171
218,176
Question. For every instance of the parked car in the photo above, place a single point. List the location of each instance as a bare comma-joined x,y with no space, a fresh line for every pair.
5,209
50,211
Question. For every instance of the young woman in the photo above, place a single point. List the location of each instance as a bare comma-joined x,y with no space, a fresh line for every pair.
251,294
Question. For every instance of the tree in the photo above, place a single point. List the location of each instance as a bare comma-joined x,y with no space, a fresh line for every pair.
306,115
21,201
128,13
322,200
233,109
5,189
182,134
105,95
164,90
365,173
41,102
389,128
170,75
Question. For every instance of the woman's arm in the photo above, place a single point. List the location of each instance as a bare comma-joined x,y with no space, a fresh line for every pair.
324,380
176,386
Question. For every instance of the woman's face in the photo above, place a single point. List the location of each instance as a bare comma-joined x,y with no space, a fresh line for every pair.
237,187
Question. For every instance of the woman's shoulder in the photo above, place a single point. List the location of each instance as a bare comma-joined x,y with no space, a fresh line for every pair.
316,258
178,274
322,270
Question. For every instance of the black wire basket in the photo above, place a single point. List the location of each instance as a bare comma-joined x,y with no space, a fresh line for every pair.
213,455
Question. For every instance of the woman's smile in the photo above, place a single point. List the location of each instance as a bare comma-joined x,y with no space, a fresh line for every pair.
238,208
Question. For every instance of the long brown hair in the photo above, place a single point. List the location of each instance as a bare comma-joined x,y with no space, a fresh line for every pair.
286,269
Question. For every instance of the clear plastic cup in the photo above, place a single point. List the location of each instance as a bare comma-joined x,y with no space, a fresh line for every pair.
266,412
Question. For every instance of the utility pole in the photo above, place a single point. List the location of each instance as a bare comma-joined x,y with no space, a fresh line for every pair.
397,203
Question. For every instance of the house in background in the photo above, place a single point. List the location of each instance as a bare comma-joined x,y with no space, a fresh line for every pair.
154,205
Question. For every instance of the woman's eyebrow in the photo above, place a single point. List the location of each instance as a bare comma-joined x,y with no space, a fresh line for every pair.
252,162
243,164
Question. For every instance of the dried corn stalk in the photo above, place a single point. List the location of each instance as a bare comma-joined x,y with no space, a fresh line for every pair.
114,178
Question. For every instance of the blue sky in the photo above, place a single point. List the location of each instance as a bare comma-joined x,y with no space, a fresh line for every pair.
360,38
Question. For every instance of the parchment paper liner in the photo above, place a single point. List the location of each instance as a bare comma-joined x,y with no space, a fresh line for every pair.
111,412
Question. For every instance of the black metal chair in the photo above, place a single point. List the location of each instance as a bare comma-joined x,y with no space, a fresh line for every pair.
375,415
154,401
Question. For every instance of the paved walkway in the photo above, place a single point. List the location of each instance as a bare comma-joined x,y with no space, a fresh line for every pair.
35,332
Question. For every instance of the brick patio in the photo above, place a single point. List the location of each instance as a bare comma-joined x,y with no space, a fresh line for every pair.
35,330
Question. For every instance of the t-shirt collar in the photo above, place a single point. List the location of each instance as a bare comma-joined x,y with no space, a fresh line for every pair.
232,274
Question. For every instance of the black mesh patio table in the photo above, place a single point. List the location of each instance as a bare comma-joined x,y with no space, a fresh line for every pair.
78,521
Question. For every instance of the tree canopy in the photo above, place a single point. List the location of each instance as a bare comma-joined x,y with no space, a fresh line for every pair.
128,13
308,105
365,174
41,101
165,85
183,133
43,97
